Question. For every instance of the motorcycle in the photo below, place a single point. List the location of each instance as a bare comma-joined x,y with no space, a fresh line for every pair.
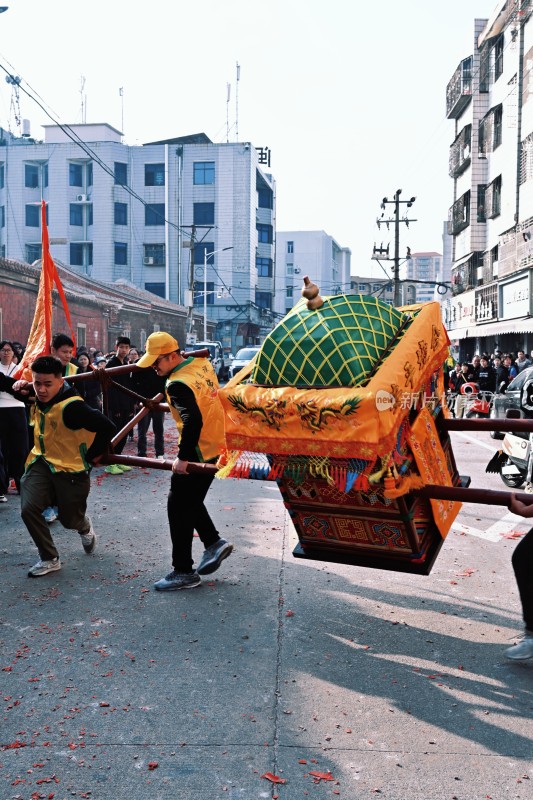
512,461
471,402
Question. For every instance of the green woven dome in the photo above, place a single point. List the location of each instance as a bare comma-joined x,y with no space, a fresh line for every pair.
336,345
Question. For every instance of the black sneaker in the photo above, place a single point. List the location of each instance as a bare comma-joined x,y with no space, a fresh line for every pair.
214,556
178,580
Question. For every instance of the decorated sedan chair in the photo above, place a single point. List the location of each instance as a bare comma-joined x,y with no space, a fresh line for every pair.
342,407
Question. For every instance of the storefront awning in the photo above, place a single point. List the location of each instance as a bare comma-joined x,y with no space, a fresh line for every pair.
523,325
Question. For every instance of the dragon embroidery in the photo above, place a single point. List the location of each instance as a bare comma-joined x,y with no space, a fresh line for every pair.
271,413
316,418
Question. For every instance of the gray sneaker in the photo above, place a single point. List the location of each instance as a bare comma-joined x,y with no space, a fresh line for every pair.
44,567
523,650
213,557
88,539
178,580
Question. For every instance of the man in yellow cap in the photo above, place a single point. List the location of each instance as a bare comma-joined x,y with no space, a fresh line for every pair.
191,390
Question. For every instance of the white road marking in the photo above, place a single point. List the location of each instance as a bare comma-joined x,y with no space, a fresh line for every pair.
492,448
496,532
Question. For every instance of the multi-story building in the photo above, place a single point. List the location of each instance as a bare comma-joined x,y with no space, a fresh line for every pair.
383,289
490,99
312,253
427,270
186,219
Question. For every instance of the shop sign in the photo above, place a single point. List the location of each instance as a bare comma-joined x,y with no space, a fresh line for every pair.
515,298
461,312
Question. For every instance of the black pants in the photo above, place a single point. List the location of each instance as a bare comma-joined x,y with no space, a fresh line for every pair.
157,420
40,488
121,419
14,441
187,513
522,560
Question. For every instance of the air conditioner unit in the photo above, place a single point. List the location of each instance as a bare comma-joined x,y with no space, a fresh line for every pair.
81,198
148,262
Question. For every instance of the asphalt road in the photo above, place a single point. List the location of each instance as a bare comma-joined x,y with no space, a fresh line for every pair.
278,678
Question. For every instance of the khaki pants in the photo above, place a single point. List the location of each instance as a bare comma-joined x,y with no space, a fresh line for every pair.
40,488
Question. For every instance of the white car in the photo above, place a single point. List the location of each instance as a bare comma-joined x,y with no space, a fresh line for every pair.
243,357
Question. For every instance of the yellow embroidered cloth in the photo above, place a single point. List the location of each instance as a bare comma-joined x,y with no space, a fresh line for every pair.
423,439
344,422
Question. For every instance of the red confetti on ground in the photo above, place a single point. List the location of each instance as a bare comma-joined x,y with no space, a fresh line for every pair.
289,613
467,573
512,535
153,764
321,776
273,778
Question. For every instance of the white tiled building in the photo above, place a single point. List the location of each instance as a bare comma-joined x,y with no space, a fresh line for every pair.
312,253
490,99
130,212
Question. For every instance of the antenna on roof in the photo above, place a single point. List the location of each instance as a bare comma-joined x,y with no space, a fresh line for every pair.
228,87
237,103
83,101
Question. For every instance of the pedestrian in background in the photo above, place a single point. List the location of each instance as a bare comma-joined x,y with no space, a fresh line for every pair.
13,419
191,389
119,404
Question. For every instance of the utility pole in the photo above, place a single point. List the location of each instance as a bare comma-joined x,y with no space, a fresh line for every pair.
378,252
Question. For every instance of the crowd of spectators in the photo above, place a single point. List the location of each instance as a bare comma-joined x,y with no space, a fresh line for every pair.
485,374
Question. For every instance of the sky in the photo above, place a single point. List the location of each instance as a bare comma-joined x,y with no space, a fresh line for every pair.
349,97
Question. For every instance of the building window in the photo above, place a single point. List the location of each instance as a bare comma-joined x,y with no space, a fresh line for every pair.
121,174
361,287
264,267
121,253
263,299
498,57
290,292
497,135
2,216
33,252
265,198
264,233
154,174
155,288
376,287
81,334
198,297
2,176
154,214
89,208
493,198
76,214
203,247
290,247
204,173
481,215
204,213
121,213
89,173
33,216
75,175
154,255
290,269
76,254
31,176
45,175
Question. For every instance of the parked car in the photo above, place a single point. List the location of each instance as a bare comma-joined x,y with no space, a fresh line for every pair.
510,399
243,357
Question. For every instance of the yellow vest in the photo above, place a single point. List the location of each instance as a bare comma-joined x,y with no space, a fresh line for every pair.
70,369
199,375
63,449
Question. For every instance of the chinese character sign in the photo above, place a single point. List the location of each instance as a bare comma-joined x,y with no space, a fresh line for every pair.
263,155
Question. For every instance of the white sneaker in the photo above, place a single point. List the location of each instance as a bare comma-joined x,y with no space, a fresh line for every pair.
43,567
3,498
88,539
523,650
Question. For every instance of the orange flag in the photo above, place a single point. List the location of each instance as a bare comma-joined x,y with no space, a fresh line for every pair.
40,335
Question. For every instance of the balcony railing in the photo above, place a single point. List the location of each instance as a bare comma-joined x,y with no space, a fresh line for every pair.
460,152
459,215
459,89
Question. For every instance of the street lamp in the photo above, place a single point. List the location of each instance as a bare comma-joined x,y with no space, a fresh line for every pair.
206,256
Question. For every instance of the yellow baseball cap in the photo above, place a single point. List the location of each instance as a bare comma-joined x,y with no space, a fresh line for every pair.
158,344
